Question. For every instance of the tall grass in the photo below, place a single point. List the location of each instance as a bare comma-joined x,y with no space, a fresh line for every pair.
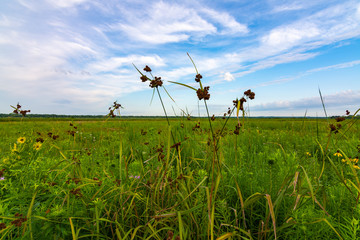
175,178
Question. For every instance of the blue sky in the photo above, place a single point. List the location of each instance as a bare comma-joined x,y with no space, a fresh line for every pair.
75,56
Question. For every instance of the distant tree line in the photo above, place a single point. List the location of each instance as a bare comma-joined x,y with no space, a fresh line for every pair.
11,115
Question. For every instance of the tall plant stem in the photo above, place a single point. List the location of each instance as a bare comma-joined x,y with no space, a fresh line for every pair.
216,157
167,119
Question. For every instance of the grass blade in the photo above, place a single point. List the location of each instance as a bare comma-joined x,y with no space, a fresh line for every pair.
185,85
272,214
309,183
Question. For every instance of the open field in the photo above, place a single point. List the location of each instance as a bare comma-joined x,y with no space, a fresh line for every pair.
127,179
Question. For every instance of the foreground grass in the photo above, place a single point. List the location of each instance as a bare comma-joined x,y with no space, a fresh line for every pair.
126,179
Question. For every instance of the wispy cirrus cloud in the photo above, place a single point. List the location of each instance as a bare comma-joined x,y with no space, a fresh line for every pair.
347,98
336,66
171,23
299,40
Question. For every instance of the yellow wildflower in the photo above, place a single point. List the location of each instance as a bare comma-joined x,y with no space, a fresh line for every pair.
356,167
355,160
337,154
308,154
21,140
343,160
37,146
5,160
14,149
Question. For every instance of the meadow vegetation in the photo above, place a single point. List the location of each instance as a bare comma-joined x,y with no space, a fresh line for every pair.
180,178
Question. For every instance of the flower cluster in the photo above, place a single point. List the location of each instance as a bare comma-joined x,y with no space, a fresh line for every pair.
338,154
76,192
136,177
237,129
50,135
339,119
176,145
203,93
241,102
21,140
147,68
19,220
354,162
197,126
247,94
154,83
37,146
18,110
335,128
115,106
2,226
198,78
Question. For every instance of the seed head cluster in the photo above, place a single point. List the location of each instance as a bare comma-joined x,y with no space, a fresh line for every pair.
198,78
203,93
18,110
247,94
154,83
115,106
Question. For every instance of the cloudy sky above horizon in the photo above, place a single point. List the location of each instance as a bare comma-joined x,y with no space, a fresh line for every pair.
76,56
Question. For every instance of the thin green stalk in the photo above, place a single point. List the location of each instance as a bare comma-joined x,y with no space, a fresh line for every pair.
227,119
167,119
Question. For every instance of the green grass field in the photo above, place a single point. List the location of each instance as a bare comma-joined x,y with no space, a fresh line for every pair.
128,179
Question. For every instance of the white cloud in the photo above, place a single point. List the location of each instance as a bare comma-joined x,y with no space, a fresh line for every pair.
66,3
226,20
336,66
288,7
114,63
228,77
164,23
302,74
276,60
343,98
283,38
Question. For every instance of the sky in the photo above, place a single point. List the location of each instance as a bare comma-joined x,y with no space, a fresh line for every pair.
77,56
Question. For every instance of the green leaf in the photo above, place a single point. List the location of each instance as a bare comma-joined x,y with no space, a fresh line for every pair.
182,84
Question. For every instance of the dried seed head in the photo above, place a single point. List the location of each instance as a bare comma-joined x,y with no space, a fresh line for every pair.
334,128
143,78
340,119
147,69
2,226
249,94
198,77
156,82
203,93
